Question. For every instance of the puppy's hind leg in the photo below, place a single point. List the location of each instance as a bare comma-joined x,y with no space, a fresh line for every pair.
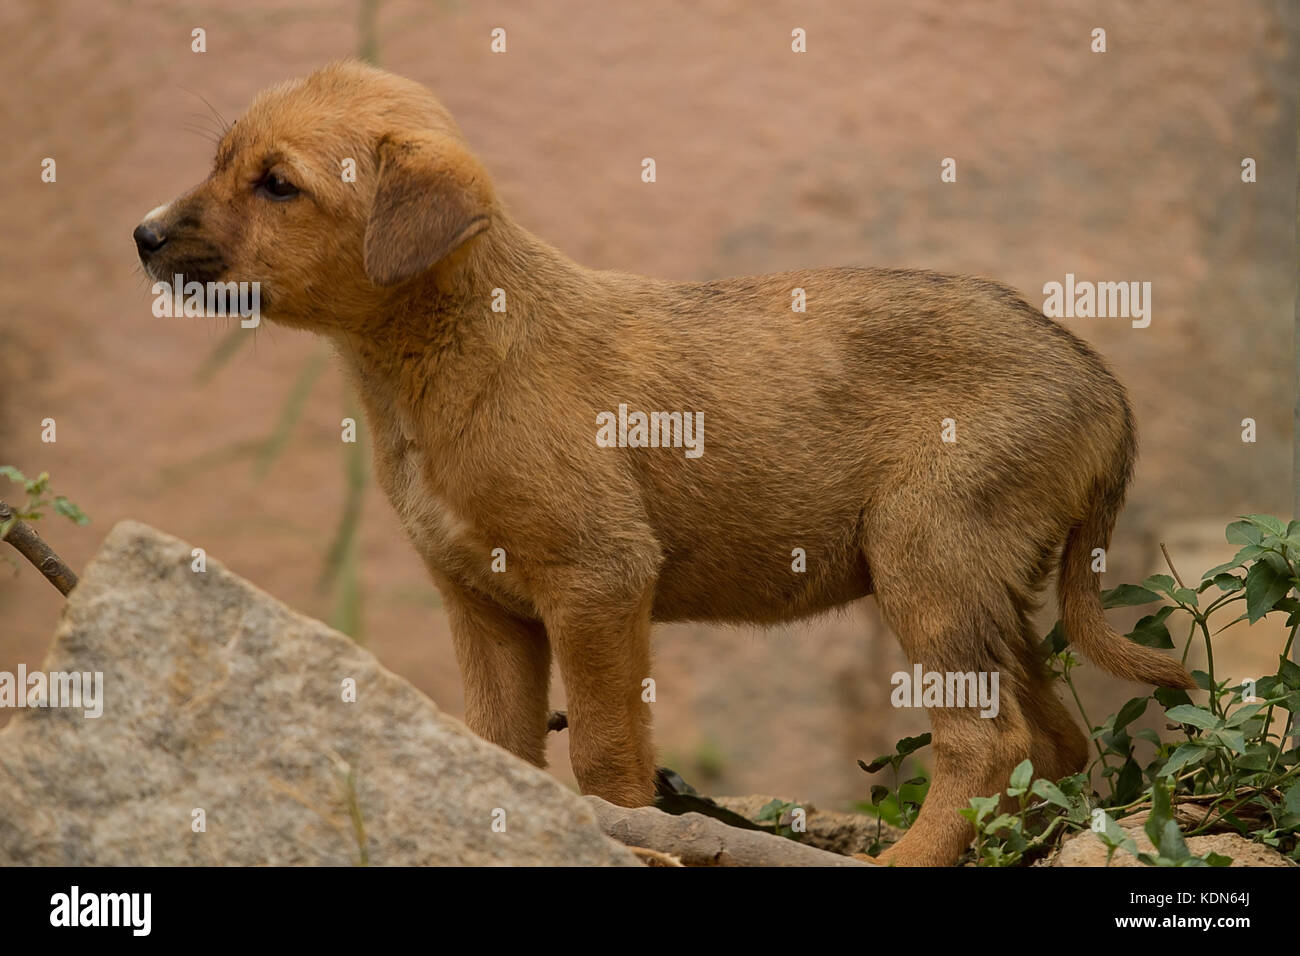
953,618
973,754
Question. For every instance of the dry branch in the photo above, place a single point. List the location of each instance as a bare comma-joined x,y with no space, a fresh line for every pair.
29,544
697,840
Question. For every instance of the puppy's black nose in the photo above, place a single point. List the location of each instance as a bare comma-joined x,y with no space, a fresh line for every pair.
149,238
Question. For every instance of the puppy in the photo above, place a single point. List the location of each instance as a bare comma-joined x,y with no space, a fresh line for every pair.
930,439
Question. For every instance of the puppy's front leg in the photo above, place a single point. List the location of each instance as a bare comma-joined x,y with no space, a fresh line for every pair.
602,643
505,667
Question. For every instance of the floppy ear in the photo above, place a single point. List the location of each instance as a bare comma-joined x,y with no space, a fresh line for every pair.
432,196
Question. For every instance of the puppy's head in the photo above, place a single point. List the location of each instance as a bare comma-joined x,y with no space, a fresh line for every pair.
328,191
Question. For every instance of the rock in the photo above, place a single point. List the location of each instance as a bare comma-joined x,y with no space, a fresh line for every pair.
845,833
1085,849
217,697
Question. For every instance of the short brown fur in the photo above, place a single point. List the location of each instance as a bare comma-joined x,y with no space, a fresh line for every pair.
823,432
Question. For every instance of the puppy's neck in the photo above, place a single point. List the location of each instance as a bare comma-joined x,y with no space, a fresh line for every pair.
436,345
483,301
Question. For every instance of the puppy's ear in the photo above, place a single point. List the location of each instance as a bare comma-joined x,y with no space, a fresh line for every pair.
432,196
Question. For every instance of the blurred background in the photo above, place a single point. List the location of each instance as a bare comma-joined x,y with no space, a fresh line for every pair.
1121,166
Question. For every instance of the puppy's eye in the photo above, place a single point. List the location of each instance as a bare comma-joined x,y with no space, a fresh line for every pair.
274,186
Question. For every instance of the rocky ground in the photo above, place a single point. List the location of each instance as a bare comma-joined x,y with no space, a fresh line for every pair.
230,730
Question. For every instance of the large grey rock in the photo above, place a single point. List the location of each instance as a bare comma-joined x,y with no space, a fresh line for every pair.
218,697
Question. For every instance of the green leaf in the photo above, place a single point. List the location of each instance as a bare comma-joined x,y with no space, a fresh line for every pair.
1234,740
1022,776
1289,671
1127,595
1171,844
1220,568
1270,686
1255,759
66,508
1217,859
1171,696
1270,524
1055,641
1191,714
1242,714
1187,755
1242,532
1151,630
1116,837
1128,785
1162,583
1130,712
1051,793
1003,821
980,807
909,745
1292,801
1227,583
1265,586
880,763
13,474
1159,821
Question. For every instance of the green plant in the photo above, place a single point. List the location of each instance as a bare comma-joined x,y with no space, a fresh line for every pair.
1231,768
37,491
897,805
779,816
1041,809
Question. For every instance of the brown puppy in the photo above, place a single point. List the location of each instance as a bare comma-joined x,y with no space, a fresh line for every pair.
490,366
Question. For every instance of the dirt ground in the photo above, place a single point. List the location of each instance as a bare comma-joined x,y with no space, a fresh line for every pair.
1119,166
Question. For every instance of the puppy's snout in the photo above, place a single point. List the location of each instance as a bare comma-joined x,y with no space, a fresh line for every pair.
149,238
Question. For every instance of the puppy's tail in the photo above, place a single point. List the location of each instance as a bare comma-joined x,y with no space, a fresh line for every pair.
1081,610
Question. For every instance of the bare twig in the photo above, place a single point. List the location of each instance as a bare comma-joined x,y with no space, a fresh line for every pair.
29,544
1170,561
